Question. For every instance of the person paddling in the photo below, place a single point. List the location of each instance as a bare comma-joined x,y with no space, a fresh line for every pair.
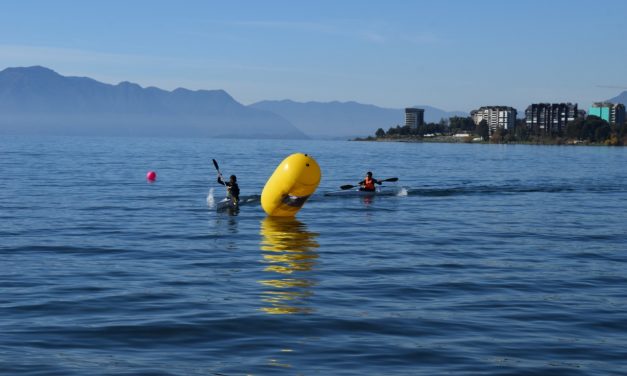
368,183
232,189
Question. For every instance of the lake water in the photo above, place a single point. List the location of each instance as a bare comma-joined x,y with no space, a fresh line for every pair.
494,259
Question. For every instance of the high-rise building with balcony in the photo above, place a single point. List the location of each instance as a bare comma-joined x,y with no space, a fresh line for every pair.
610,112
414,117
502,117
550,118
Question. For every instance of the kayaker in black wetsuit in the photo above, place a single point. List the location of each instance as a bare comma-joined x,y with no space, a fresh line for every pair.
232,189
368,183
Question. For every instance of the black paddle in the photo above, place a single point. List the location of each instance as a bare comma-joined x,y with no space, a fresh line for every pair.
215,164
349,186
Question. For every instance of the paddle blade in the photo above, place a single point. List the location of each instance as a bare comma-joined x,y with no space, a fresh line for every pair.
347,186
215,164
390,179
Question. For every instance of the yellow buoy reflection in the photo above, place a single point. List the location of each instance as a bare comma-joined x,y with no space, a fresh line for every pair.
289,254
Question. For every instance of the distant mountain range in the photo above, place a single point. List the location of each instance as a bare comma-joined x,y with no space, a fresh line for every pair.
344,119
37,100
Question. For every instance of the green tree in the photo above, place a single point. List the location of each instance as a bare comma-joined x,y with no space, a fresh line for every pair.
380,133
499,136
592,128
458,123
574,129
405,130
587,132
521,131
394,130
602,132
596,129
482,130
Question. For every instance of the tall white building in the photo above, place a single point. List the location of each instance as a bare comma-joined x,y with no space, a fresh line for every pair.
496,116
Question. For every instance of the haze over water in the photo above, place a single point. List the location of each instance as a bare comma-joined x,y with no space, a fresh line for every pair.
500,259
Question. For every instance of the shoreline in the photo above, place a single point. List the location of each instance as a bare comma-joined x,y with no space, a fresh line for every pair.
457,140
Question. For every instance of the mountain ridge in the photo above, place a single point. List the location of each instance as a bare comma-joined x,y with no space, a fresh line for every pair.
620,98
39,100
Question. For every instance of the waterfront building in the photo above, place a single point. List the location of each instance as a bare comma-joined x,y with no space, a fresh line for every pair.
414,117
610,112
550,118
502,117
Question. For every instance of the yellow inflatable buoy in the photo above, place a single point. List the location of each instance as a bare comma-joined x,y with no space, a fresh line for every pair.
291,184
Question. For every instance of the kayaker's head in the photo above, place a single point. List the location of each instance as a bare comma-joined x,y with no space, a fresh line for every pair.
369,174
233,179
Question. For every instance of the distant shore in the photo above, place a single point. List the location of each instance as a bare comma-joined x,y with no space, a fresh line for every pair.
438,139
473,140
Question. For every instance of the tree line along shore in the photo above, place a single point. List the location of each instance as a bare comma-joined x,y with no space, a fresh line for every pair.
591,130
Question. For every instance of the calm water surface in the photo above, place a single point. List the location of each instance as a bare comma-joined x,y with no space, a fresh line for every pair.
494,259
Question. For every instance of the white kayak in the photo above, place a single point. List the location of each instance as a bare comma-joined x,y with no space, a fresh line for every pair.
226,203
392,191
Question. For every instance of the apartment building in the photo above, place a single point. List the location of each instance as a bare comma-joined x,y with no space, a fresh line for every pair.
414,117
502,117
550,118
610,112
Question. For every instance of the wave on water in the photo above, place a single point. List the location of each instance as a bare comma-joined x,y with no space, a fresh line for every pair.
511,189
490,189
211,201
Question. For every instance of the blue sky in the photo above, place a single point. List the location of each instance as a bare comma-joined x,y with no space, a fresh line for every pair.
455,55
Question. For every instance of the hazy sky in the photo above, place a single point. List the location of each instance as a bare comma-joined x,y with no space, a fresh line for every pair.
455,55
